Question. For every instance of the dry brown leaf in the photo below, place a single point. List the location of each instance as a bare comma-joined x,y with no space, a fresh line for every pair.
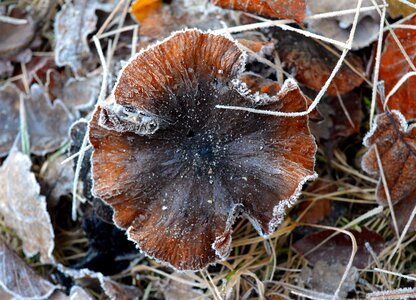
396,145
73,23
14,38
81,93
325,278
318,210
47,123
18,279
76,293
339,27
397,8
23,208
57,179
283,9
312,64
9,116
112,289
393,66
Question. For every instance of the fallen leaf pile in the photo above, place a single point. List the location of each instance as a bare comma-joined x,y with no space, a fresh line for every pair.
207,149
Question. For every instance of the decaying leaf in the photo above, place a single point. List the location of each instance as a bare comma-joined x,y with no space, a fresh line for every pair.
325,278
339,27
175,168
318,209
312,64
76,293
338,248
19,279
175,290
57,179
47,122
393,66
341,118
396,145
81,93
23,208
397,8
73,23
9,116
112,289
14,38
283,9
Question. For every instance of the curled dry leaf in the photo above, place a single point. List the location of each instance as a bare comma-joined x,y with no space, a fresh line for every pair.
18,279
396,145
312,64
176,170
47,123
397,8
393,66
338,248
283,9
339,27
14,38
73,23
23,208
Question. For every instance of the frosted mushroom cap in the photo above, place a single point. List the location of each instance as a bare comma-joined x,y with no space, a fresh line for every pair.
177,170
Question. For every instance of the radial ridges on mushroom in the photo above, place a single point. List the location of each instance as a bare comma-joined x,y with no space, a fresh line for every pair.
177,170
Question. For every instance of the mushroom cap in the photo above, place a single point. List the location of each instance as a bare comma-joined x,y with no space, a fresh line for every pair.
177,170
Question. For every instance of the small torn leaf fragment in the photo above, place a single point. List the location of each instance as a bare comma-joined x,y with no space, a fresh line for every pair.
339,27
396,145
397,8
325,278
23,208
73,23
282,9
9,116
312,64
19,279
393,66
338,249
176,169
14,38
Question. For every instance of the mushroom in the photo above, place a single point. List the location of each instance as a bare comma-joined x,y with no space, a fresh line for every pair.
177,170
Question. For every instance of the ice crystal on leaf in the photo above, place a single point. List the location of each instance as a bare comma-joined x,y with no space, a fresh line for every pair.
176,169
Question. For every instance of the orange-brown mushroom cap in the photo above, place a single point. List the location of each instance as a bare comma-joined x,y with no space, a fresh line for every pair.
176,169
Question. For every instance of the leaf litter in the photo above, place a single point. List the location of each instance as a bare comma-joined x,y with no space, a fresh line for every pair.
256,267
